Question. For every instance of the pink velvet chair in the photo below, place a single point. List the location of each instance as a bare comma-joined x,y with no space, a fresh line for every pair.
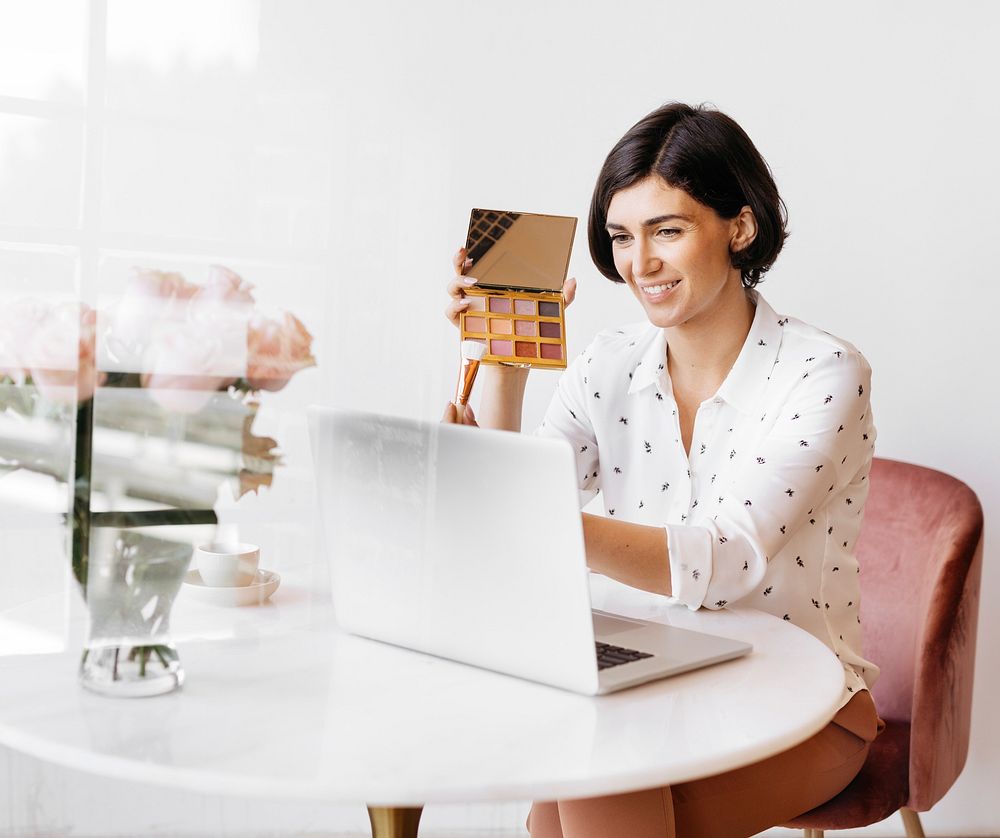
920,550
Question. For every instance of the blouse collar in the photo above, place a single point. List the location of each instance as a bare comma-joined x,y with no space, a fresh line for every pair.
746,380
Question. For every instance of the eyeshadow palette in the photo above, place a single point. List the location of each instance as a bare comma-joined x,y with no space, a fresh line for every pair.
520,260
517,327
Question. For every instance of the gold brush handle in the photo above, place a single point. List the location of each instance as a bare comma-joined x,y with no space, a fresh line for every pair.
466,379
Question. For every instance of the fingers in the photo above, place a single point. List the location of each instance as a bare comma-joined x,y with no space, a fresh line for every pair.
457,285
569,291
454,415
461,261
454,309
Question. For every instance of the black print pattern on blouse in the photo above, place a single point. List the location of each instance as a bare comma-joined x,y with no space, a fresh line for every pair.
812,396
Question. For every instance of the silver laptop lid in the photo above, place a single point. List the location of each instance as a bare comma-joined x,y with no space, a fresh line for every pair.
462,542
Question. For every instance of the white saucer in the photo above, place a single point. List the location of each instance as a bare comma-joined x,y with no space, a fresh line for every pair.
264,584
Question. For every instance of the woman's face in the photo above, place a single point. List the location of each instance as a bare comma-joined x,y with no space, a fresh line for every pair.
673,252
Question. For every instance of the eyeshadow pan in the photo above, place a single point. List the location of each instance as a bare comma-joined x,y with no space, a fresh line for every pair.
516,327
524,349
475,324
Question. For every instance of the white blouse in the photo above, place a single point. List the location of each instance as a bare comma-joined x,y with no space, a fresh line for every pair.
767,508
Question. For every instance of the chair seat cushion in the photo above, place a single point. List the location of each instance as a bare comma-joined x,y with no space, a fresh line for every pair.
881,787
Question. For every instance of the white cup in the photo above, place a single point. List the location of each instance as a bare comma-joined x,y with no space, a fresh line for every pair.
225,564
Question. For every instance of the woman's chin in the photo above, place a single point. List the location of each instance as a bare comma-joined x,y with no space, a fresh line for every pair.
664,315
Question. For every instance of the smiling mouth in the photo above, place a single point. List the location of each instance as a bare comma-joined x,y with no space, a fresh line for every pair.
656,290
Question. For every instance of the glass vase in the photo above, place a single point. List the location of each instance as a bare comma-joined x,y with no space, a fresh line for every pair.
132,582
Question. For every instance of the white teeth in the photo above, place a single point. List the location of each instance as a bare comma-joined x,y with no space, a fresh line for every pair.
659,289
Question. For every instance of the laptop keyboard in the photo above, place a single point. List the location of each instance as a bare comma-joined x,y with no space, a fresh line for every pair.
608,655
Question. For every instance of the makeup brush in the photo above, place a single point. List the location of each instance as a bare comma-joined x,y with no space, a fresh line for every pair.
472,354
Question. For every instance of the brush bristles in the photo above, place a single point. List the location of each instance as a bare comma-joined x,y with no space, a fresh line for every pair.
473,350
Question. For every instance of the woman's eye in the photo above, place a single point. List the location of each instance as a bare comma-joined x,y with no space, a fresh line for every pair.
620,238
668,232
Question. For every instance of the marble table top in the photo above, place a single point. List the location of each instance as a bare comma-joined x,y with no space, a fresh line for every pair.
279,703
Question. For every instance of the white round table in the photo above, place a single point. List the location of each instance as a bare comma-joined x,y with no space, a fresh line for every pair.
312,713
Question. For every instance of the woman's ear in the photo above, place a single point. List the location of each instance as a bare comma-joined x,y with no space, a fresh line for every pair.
744,227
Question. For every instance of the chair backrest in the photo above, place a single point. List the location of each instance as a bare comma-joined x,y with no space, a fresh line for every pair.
920,551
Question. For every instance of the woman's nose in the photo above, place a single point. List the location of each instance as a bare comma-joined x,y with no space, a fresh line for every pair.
644,260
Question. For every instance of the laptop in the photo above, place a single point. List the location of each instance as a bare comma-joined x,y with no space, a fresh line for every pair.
467,544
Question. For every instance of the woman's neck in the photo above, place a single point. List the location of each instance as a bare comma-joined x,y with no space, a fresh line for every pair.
704,349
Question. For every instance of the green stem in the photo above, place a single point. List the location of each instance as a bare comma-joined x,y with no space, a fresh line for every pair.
81,492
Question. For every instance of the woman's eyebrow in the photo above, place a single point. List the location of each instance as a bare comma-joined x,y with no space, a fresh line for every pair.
649,222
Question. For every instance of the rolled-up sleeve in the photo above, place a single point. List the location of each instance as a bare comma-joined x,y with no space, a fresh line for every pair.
814,448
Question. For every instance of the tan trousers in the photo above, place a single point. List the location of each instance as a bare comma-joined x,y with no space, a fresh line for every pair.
736,804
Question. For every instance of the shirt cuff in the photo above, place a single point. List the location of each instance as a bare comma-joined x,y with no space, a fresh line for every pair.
690,550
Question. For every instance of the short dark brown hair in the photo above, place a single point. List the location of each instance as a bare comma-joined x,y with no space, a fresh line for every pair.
709,156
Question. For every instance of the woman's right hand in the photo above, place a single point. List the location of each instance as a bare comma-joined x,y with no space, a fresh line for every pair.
456,287
455,415
459,282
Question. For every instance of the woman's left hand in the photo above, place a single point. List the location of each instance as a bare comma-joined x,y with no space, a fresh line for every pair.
454,415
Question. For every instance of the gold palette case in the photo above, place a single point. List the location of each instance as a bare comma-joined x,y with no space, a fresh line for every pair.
520,261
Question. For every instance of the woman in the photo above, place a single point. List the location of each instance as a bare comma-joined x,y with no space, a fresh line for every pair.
731,445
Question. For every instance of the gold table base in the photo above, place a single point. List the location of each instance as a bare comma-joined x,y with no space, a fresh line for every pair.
394,822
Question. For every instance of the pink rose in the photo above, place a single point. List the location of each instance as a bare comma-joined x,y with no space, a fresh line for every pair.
225,285
276,350
151,298
223,306
59,354
183,367
19,320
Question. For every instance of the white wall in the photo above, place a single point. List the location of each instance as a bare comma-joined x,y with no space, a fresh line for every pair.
331,152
